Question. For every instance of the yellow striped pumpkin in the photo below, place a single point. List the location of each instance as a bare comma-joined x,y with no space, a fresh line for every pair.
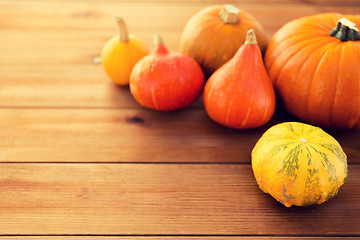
299,164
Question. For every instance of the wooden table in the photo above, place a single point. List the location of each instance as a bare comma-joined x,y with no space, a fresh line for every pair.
80,159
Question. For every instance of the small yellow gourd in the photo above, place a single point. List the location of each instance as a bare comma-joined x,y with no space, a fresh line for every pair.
299,164
121,53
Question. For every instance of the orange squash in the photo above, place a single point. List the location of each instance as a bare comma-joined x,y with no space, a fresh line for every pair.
314,64
120,53
299,164
240,94
166,80
213,35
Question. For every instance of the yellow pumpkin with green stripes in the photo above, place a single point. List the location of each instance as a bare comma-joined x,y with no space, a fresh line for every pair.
299,164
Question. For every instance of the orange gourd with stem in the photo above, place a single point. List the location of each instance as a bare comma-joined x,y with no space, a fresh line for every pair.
214,34
240,94
166,80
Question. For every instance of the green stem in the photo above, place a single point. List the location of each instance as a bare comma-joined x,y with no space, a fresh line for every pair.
346,31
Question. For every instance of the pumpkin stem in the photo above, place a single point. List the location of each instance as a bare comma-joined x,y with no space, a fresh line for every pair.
229,14
158,40
123,35
159,45
345,31
250,37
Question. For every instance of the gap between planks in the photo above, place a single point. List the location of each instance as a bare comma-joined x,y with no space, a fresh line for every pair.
136,163
170,237
252,2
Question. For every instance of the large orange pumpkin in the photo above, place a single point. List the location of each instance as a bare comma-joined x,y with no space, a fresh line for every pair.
213,35
314,63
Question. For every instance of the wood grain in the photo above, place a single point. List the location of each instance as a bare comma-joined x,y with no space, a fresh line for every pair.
131,135
173,238
307,2
61,85
157,199
55,26
119,135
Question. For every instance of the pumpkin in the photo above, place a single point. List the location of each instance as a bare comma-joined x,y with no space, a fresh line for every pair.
166,80
213,35
298,164
314,65
120,53
240,94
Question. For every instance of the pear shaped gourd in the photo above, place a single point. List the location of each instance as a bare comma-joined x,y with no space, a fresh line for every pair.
240,94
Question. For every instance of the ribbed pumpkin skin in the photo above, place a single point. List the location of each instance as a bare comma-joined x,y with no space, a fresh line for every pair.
299,164
316,76
211,42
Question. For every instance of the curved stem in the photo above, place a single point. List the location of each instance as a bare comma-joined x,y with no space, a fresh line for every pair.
346,31
123,32
159,45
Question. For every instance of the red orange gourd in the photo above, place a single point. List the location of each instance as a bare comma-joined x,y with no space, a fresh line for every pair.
314,65
239,94
166,80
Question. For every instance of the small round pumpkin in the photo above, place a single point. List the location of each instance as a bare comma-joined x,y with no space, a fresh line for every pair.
299,164
314,65
165,80
213,35
120,53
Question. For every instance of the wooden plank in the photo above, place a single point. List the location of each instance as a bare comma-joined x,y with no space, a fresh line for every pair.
143,15
155,199
119,135
61,85
285,2
65,31
132,135
174,238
